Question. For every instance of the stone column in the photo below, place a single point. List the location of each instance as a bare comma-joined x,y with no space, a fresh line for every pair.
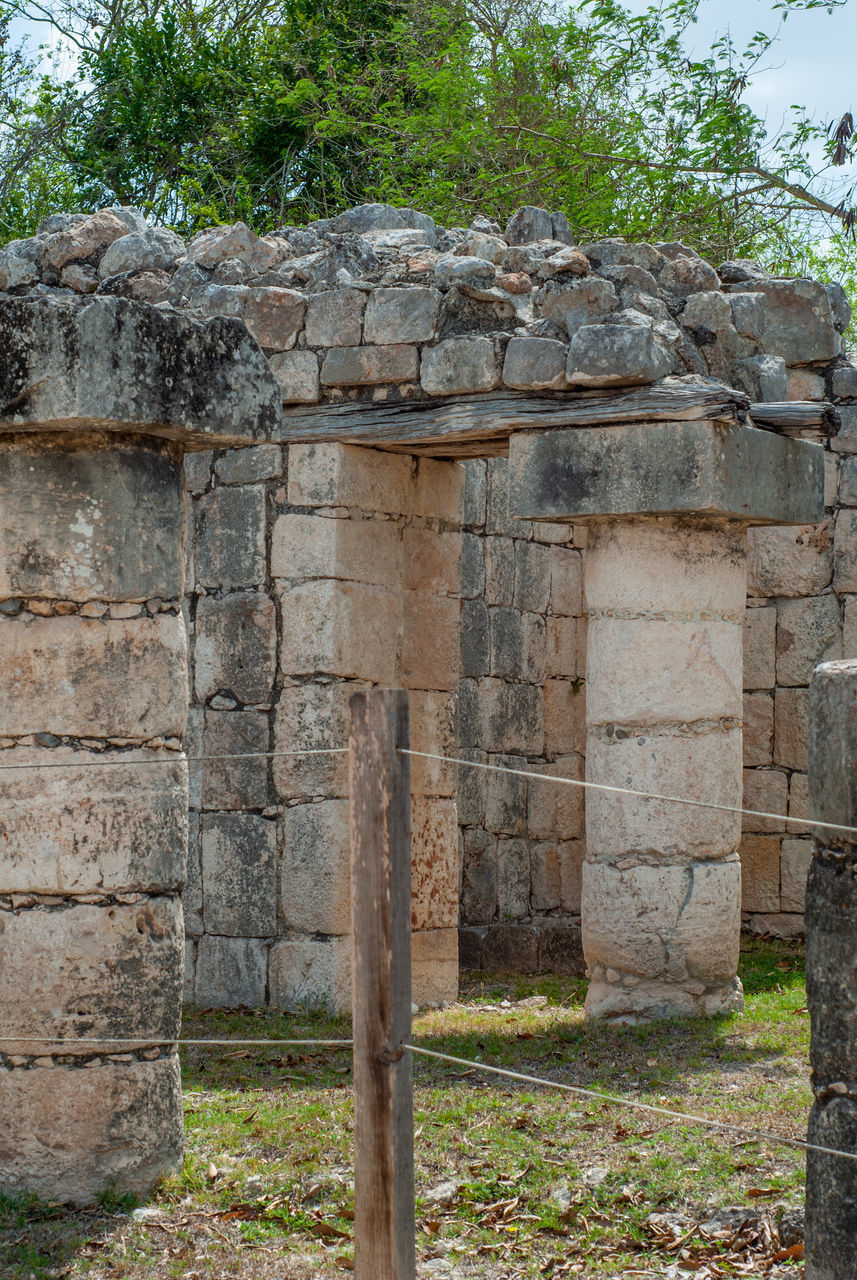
97,403
831,966
667,506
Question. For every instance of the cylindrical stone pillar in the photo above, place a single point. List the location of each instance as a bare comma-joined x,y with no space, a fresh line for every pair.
93,824
661,897
831,975
667,505
98,399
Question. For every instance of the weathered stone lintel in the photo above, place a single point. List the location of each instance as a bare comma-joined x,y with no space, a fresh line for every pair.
666,468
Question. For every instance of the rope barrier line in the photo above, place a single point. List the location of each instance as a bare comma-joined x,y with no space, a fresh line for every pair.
628,791
142,1043
175,758
759,1135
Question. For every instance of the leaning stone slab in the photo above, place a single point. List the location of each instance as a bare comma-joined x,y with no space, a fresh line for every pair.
833,749
111,364
666,469
80,1131
114,827
99,523
77,970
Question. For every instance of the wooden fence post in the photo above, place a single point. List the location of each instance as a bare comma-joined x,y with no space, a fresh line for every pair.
831,965
380,826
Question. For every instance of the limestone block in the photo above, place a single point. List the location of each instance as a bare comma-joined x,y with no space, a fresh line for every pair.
434,967
93,677
472,566
334,318
314,868
843,380
534,652
791,728
85,970
566,593
110,363
366,366
498,518
564,717
434,863
839,305
573,304
692,670
239,783
767,791
19,263
616,355
794,869
197,470
510,948
479,877
665,468
554,810
429,657
104,522
82,239
670,923
311,546
798,321
69,1134
748,315
402,315
507,642
274,316
500,560
433,729
236,646
216,244
323,475
459,365
833,788
845,552
311,972
848,481
761,377
439,490
504,796
571,853
192,744
831,1202
663,563
831,479
513,879
231,972
342,628
535,364
561,656
475,638
511,717
758,729
192,891
760,648
311,717
560,948
431,560
230,538
790,562
154,249
476,491
849,629
760,873
653,999
249,466
846,440
533,576
529,224
685,275
297,376
799,803
239,852
804,384
105,828
808,632
545,877
467,271
696,767
189,979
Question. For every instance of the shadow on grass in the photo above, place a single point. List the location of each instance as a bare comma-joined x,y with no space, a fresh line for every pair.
40,1240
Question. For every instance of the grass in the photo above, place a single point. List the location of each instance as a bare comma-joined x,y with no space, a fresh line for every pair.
512,1180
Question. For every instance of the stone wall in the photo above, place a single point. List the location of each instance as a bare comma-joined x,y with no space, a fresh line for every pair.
313,571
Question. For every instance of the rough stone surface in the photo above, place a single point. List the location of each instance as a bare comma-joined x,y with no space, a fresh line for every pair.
236,643
616,355
230,972
177,377
366,366
798,320
80,1131
459,365
239,875
536,364
402,315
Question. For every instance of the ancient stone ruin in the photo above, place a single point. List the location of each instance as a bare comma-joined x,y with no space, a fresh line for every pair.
380,369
